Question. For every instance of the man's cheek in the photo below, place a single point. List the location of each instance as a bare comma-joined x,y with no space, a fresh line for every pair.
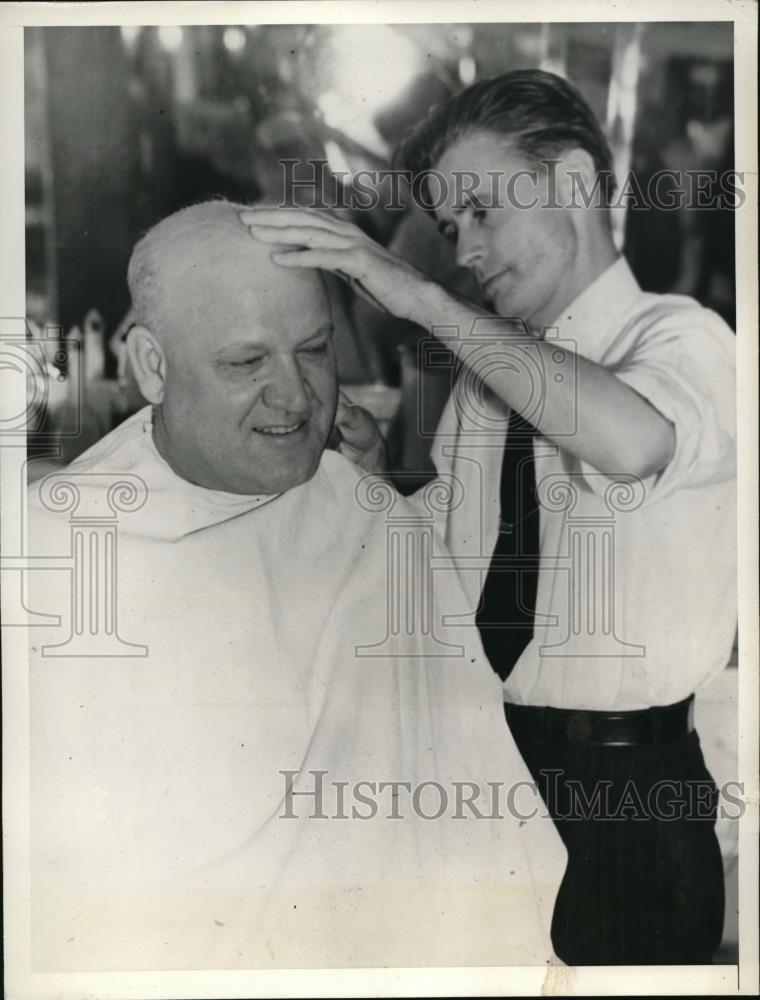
324,383
192,387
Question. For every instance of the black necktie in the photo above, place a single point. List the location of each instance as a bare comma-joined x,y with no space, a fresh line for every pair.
507,608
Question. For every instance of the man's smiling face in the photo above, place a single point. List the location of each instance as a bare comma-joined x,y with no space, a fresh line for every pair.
522,257
251,380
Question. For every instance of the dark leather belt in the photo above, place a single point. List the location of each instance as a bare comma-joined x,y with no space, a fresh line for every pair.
644,727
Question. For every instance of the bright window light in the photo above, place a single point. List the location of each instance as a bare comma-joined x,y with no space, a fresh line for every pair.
129,33
336,159
467,70
352,119
369,68
170,37
233,39
372,65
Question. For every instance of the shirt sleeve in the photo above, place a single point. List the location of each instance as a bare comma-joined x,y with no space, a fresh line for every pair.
686,370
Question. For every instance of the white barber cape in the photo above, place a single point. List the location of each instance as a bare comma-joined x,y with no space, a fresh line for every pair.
165,832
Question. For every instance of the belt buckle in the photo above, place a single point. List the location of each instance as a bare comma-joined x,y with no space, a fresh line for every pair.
579,727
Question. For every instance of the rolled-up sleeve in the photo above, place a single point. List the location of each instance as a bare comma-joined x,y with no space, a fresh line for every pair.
687,372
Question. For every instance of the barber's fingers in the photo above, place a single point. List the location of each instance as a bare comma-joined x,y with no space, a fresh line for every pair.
341,260
272,214
304,236
360,438
328,259
351,417
279,217
354,455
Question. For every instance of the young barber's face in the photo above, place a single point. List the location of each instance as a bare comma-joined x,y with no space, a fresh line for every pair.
522,257
251,385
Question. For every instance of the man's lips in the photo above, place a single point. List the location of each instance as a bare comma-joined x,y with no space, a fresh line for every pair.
280,430
489,282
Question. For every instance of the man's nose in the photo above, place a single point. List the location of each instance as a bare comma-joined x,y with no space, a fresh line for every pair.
470,249
287,389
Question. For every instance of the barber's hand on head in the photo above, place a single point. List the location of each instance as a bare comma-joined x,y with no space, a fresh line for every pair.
320,240
360,439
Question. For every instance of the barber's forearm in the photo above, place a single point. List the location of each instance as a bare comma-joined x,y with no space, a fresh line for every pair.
584,408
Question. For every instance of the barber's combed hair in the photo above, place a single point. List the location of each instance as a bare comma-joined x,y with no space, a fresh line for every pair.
539,113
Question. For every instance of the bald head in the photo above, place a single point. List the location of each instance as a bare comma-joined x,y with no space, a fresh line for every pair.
199,254
234,352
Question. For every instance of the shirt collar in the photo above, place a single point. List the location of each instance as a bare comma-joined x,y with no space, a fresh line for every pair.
594,317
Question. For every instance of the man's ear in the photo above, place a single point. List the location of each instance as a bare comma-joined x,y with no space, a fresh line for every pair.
148,361
576,168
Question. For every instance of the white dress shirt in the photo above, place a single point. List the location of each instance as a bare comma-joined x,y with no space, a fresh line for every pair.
636,602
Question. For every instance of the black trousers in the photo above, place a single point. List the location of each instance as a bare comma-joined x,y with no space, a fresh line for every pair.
640,887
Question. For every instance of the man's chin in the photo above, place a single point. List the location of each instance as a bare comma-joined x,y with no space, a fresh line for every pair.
507,304
297,478
285,475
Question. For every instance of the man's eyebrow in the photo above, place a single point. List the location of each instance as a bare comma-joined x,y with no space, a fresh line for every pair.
240,346
468,198
326,330
255,347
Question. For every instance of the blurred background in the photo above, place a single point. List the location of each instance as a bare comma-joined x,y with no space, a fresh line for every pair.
126,125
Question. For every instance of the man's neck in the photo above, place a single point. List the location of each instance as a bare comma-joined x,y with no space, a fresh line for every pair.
161,440
594,257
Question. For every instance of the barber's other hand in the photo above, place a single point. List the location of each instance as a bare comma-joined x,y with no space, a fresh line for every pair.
361,441
320,240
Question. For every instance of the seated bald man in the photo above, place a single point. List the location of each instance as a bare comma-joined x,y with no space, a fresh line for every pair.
241,756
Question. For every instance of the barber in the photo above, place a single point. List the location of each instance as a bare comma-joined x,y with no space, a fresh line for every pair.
631,392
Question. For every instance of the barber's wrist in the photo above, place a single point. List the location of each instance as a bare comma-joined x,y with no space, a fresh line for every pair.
431,305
